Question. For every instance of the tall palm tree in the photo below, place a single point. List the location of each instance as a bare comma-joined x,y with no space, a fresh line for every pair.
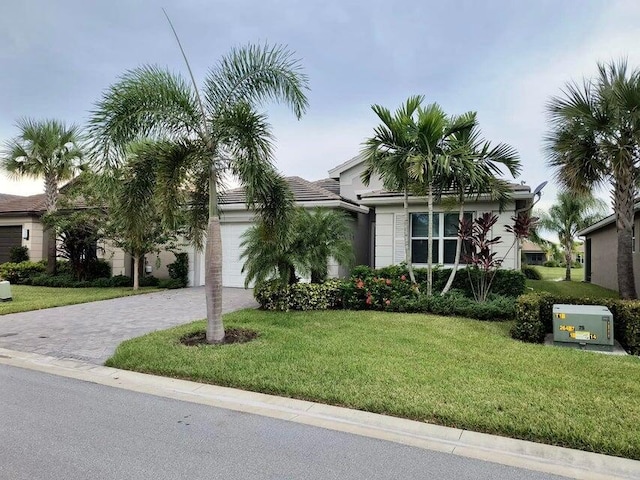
570,214
433,133
46,149
472,167
595,141
204,136
387,154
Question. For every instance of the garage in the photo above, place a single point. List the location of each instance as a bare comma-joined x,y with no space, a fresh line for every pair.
232,275
9,237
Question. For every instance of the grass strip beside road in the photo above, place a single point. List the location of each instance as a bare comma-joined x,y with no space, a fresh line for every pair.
450,371
26,298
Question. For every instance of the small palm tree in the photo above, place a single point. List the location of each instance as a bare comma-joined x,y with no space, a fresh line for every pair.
323,235
471,170
388,153
434,138
570,214
268,246
46,149
202,138
595,141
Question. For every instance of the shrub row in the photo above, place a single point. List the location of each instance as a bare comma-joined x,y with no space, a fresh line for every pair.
507,283
399,295
272,295
378,294
21,273
66,281
534,318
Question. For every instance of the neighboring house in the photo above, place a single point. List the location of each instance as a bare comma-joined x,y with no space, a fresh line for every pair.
601,250
20,225
532,253
377,218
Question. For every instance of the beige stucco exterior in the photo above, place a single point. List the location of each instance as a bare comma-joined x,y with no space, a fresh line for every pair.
389,232
31,226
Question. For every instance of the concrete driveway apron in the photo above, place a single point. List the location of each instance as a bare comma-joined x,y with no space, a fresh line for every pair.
92,331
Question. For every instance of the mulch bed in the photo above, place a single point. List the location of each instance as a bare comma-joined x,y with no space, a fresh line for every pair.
231,335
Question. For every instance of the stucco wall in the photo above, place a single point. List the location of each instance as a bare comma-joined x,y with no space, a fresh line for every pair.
604,247
351,184
389,232
36,243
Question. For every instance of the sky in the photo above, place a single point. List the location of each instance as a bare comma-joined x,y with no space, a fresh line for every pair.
502,59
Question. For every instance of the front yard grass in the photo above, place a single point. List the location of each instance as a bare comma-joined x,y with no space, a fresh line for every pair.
26,298
451,371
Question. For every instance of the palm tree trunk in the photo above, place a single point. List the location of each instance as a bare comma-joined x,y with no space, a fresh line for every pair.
567,259
456,263
136,272
430,244
213,267
623,206
51,200
407,237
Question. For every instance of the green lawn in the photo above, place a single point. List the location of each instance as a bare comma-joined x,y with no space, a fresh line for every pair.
451,371
575,288
27,298
555,273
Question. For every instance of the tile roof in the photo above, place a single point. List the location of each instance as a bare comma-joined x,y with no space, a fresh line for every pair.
303,191
20,204
529,246
330,184
29,205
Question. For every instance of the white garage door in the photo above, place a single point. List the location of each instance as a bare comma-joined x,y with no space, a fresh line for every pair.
232,275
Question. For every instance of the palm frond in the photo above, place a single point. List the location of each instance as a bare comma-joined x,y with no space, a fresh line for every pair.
253,74
147,102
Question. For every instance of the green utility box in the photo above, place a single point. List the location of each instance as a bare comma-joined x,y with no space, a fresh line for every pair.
589,327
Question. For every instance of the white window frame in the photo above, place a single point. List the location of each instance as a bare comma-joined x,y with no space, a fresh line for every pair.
440,239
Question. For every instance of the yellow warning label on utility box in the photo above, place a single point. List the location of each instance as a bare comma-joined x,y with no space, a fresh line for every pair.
567,328
561,316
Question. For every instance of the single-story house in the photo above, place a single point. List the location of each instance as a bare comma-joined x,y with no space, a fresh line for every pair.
532,253
600,251
377,219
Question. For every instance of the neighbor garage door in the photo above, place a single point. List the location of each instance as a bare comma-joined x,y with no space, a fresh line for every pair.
9,237
232,275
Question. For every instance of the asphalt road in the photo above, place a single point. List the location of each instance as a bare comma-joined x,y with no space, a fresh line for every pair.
57,428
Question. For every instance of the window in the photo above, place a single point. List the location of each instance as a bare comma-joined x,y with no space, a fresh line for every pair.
445,237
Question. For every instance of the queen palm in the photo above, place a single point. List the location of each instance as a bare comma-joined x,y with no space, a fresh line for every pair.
46,149
203,136
595,142
570,214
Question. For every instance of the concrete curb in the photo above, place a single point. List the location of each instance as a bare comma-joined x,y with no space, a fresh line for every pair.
518,453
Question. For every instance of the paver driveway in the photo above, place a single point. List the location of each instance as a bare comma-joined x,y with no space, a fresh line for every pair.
92,331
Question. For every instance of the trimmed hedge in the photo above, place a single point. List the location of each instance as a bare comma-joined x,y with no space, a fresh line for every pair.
531,273
21,273
534,318
507,283
67,281
273,295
